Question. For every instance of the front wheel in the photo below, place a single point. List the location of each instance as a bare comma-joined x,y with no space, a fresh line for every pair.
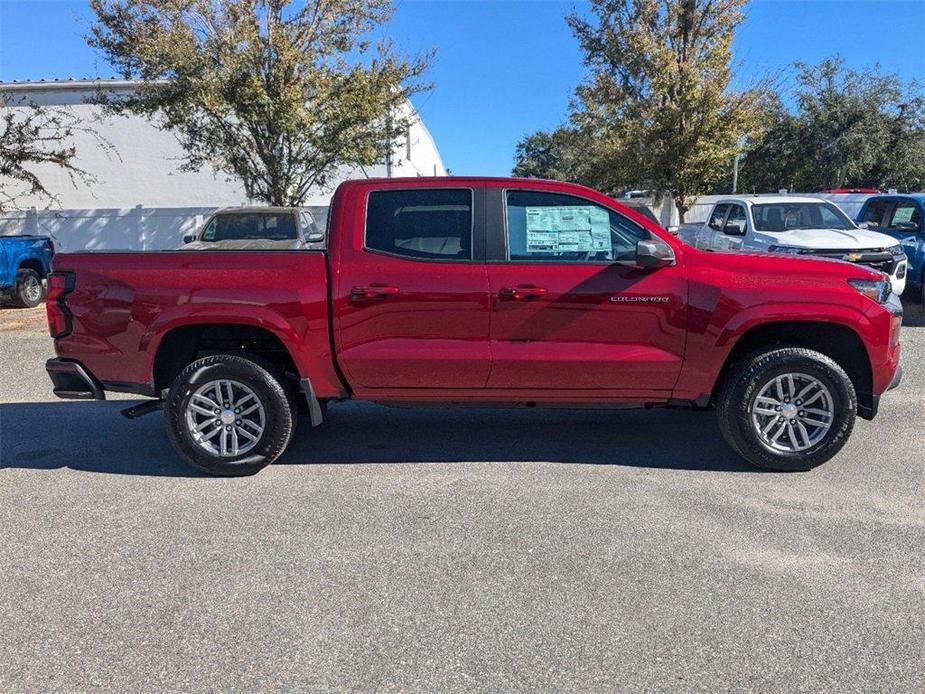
789,409
229,415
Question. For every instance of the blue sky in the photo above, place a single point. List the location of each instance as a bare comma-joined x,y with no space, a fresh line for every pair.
504,69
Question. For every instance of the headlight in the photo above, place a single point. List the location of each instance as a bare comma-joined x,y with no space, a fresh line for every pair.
791,250
877,290
897,251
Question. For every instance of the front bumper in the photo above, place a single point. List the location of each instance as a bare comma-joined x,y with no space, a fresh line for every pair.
871,412
73,381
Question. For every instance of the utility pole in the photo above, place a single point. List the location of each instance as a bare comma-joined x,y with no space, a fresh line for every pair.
389,143
735,172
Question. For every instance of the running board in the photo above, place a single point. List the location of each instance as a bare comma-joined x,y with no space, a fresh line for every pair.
141,409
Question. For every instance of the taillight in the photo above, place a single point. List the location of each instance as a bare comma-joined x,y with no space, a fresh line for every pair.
60,284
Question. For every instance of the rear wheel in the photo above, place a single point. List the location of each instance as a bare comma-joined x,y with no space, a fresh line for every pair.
29,291
230,415
789,409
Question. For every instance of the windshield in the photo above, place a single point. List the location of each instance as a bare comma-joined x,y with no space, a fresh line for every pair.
260,225
785,216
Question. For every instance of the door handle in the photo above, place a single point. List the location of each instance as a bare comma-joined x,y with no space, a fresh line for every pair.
373,291
521,292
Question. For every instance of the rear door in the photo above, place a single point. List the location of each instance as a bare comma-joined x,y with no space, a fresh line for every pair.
411,301
571,312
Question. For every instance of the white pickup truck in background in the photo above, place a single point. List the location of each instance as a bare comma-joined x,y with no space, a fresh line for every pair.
797,225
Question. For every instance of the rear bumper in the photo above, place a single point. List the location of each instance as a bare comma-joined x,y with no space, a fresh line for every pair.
73,381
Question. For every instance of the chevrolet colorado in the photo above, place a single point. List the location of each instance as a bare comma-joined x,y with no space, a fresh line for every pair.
476,290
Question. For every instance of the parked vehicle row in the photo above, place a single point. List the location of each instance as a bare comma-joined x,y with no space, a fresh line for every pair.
479,290
24,265
799,226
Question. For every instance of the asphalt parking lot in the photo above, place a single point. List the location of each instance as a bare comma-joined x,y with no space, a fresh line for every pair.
471,549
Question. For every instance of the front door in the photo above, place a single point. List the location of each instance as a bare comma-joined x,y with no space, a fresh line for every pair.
411,293
571,312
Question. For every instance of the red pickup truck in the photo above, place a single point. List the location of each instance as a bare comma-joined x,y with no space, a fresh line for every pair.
476,290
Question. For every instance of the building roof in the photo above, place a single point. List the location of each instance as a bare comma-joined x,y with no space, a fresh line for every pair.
68,83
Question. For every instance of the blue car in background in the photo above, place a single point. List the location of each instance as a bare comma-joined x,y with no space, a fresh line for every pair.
901,216
25,262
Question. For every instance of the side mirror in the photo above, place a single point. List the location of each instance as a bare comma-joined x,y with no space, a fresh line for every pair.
314,237
734,229
189,238
653,254
865,225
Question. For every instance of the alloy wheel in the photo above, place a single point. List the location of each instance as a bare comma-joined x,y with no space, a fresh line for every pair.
792,413
226,418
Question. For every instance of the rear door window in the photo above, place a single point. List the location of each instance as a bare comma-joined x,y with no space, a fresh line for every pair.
905,217
422,224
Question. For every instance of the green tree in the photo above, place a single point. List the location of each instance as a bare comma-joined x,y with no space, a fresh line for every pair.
846,128
266,91
656,110
547,154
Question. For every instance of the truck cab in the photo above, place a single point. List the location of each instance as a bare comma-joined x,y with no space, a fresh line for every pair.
901,217
798,226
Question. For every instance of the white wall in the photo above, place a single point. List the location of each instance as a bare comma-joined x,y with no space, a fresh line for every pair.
134,229
145,171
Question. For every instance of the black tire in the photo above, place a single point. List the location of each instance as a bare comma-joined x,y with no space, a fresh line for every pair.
744,383
29,290
268,385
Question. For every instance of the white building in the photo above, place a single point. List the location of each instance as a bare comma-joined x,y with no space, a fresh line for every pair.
141,199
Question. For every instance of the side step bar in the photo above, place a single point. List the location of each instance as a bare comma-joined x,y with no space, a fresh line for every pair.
142,408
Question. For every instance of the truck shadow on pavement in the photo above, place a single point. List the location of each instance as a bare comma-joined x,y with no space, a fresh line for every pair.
92,437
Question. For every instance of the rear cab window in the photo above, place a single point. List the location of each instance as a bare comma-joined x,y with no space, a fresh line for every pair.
420,224
238,226
563,228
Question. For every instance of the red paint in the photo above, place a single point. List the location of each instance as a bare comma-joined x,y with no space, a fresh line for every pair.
408,329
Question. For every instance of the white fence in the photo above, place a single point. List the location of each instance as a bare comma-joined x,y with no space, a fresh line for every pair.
134,229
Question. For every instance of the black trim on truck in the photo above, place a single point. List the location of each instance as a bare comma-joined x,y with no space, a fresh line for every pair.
870,412
73,381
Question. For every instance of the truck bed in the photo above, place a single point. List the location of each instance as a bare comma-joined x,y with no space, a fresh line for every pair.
124,304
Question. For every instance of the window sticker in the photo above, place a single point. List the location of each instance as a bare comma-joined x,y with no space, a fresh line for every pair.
903,214
578,229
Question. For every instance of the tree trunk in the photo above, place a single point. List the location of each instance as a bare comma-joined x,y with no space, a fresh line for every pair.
682,207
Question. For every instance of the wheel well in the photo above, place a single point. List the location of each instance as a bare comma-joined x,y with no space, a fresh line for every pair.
182,346
32,264
838,342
